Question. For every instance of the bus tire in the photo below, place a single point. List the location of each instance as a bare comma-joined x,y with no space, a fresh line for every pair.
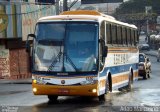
101,97
107,87
52,98
130,82
109,82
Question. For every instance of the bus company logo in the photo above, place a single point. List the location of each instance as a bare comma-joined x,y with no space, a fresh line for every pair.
62,81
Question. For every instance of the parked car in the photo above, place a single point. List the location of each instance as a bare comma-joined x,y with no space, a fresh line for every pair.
144,47
158,55
144,67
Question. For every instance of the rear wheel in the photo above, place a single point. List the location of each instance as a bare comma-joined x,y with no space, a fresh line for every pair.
130,82
129,86
52,98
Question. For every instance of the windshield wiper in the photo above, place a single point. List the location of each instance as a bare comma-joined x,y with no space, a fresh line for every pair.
54,61
69,59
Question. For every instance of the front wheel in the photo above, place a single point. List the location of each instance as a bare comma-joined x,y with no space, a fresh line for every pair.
52,98
101,97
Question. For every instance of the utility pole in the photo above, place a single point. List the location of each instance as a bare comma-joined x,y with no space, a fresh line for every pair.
57,7
65,6
147,8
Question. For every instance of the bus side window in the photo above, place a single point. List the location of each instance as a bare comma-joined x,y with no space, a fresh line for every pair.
119,35
124,33
128,36
114,38
103,30
108,35
136,36
132,37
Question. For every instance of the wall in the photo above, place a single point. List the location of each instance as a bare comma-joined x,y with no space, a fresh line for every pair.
19,64
4,63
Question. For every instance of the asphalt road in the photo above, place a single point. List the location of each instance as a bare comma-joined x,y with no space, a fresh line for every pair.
144,95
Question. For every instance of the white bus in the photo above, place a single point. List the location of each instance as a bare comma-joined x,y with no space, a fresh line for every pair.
82,53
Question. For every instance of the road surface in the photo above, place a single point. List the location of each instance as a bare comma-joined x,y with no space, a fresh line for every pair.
144,95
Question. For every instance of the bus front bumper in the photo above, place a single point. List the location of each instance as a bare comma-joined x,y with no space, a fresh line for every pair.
60,90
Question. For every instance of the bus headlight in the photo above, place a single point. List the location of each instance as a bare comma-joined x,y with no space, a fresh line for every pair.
94,90
34,90
38,80
41,82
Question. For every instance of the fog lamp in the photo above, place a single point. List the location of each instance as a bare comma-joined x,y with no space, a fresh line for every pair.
34,81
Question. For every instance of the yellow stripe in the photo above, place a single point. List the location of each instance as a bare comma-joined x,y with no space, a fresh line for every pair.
121,78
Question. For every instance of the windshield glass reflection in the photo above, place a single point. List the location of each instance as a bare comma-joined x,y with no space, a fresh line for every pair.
66,47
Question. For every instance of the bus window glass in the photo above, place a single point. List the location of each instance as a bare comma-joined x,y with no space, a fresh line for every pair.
124,36
119,35
66,47
136,36
128,36
103,30
132,37
108,31
114,38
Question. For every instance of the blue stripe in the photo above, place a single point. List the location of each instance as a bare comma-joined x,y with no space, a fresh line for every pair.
118,69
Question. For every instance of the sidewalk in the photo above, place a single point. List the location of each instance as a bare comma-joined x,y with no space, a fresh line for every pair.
18,81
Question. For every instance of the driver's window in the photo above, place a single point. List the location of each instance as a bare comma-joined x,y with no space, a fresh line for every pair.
103,37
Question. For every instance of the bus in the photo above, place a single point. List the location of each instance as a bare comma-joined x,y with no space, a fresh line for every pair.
82,53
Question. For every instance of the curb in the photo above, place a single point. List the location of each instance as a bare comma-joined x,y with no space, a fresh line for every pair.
16,81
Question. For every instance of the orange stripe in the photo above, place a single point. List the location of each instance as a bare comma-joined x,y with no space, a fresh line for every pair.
121,78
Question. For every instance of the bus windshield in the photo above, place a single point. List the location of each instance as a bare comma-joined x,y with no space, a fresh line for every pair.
66,47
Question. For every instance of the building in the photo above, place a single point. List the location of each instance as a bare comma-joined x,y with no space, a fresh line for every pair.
17,20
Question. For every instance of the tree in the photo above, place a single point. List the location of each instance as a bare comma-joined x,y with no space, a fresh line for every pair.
133,11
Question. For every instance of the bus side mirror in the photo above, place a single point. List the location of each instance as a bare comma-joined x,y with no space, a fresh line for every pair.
28,44
105,51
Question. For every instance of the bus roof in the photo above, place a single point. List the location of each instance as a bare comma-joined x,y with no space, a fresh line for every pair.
84,15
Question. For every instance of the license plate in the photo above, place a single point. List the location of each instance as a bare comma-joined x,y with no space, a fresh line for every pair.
63,91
